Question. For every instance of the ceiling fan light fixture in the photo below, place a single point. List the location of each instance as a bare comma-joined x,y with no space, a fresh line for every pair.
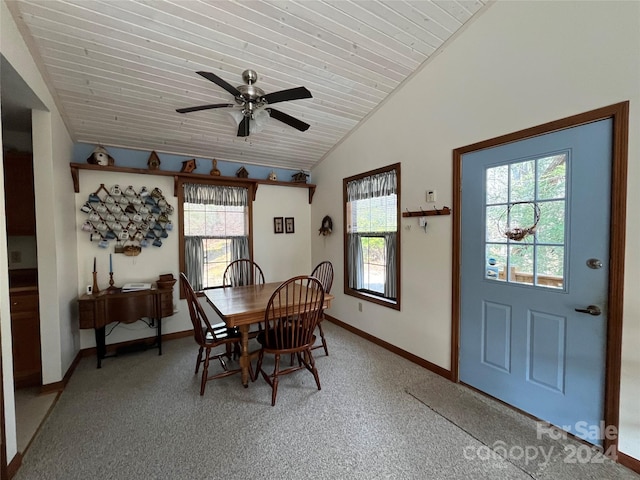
260,121
236,116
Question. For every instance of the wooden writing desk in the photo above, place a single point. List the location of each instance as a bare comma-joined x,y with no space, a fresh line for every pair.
96,311
242,306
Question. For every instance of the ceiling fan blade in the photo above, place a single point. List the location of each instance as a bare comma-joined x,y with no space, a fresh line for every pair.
221,83
288,119
290,94
243,127
203,107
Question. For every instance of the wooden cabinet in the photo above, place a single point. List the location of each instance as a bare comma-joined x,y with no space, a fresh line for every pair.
19,194
25,336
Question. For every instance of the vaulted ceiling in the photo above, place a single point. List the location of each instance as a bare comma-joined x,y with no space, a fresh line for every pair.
119,69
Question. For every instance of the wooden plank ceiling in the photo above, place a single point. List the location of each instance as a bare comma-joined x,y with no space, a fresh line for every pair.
119,69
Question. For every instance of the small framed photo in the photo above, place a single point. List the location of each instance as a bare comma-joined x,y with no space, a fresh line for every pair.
289,225
278,225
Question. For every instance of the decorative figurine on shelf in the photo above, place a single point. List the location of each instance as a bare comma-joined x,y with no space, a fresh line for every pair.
101,157
188,166
242,173
299,177
154,161
272,176
214,171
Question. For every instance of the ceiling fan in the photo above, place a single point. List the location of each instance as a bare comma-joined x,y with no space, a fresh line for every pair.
254,102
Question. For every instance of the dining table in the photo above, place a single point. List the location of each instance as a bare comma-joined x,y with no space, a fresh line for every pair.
242,307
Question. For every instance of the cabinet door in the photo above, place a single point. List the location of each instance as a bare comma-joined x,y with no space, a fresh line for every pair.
25,336
19,194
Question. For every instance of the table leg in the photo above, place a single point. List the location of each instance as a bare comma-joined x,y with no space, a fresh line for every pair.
100,345
244,354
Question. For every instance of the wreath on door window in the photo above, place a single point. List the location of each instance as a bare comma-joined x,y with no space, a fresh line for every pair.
519,233
327,226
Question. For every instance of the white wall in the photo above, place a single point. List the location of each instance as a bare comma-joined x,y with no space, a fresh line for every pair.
280,256
518,65
145,267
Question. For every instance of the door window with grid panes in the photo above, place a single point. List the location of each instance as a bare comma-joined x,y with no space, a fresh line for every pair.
527,197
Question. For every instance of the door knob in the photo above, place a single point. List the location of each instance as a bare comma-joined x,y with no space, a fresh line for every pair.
591,310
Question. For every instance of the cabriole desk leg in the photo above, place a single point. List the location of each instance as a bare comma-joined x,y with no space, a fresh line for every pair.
159,337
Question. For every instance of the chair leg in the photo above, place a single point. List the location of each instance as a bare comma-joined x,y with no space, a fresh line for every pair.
258,366
310,363
223,364
199,360
205,371
324,342
274,385
252,375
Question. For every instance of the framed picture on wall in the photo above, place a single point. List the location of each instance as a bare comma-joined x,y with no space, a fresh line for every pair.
277,225
289,225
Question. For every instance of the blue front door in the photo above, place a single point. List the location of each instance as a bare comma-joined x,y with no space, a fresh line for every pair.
534,274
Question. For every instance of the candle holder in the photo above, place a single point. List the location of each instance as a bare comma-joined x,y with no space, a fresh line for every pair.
111,287
94,289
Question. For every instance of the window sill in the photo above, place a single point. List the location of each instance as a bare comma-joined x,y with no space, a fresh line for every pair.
394,304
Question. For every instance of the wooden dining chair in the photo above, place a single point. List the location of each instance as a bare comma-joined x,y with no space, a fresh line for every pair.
292,314
324,273
208,337
242,272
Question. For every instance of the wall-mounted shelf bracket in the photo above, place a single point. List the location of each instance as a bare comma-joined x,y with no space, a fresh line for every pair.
427,213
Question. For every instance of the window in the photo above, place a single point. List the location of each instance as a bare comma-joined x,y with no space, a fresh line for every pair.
216,229
527,195
372,236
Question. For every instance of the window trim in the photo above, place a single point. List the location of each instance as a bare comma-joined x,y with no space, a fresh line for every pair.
363,295
250,186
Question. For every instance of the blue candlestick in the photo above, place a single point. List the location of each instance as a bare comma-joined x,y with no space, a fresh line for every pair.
110,264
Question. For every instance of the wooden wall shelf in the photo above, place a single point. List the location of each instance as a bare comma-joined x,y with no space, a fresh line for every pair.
75,167
428,213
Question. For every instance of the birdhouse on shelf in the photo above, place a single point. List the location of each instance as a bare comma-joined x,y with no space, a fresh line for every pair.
100,156
188,166
154,161
214,170
299,177
242,173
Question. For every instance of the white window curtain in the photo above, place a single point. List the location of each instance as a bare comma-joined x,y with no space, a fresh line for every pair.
194,245
216,195
356,265
390,243
379,185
